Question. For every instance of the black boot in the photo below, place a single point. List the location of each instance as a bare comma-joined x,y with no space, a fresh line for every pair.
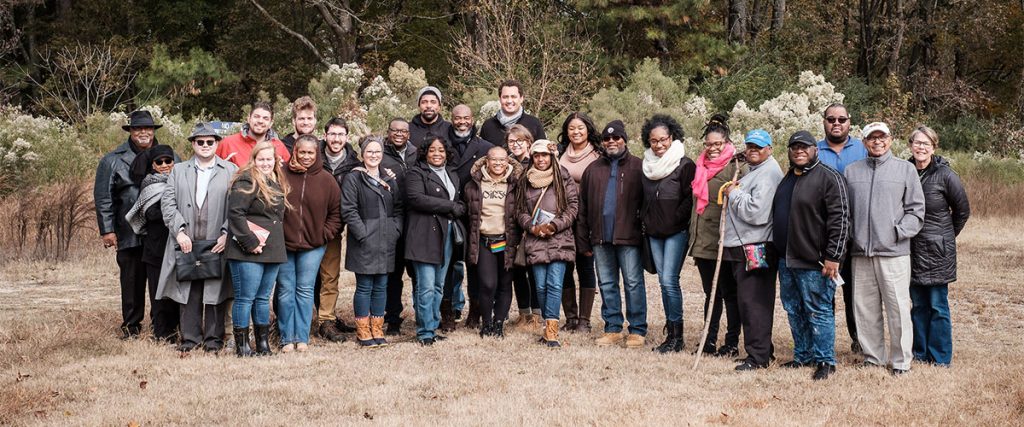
673,339
498,329
263,340
242,348
486,329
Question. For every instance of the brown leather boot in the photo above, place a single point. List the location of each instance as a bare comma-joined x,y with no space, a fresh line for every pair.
570,308
586,308
551,333
364,337
377,331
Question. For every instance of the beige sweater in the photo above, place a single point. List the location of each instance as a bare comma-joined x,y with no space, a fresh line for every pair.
577,162
492,209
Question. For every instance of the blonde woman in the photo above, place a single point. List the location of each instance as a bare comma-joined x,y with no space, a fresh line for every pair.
256,205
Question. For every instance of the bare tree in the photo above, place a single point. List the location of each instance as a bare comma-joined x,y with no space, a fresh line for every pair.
530,42
83,79
738,21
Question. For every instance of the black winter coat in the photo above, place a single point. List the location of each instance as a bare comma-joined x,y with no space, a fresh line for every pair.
933,250
115,193
429,211
418,130
668,201
818,227
394,162
472,149
244,207
492,131
373,215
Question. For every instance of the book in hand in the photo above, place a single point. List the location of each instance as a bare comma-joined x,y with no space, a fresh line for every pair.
260,232
543,217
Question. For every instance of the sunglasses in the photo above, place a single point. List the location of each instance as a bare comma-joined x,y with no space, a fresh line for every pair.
612,138
163,161
833,120
205,142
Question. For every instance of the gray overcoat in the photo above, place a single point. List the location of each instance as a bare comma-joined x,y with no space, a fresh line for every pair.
178,209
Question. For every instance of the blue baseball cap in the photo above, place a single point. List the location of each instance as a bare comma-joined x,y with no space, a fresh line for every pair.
758,137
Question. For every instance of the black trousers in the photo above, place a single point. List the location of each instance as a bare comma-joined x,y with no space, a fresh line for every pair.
525,288
725,296
494,284
163,313
846,272
393,297
133,289
755,295
202,323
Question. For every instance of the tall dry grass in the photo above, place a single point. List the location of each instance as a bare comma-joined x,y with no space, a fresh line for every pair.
62,364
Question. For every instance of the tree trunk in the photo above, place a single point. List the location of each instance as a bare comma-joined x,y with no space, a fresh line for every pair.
896,16
737,24
778,15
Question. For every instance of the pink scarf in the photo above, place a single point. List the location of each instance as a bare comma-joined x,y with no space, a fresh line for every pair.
707,169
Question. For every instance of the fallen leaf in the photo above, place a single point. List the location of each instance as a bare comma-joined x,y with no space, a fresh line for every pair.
21,377
40,414
143,384
367,415
133,423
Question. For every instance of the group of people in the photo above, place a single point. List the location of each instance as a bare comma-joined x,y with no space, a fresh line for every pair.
512,213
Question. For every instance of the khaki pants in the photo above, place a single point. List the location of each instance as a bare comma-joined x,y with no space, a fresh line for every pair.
883,293
330,271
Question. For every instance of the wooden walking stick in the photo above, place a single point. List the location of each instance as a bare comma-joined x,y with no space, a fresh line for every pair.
718,266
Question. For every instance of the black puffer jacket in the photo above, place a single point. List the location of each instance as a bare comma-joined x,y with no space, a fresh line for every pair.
933,250
668,201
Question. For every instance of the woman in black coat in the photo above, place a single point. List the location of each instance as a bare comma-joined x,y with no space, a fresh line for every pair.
371,206
433,201
933,250
150,171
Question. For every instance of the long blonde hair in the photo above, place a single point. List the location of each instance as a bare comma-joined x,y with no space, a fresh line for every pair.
260,184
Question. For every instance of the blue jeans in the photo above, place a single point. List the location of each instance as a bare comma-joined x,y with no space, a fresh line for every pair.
549,287
807,298
371,295
458,274
253,284
933,330
668,254
610,260
428,291
295,284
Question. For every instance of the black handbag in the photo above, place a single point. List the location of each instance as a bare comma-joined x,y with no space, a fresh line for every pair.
646,255
199,264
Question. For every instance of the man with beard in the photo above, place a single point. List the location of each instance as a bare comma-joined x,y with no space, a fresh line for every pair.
429,120
339,160
115,194
469,148
399,155
838,150
303,119
811,225
237,148
511,97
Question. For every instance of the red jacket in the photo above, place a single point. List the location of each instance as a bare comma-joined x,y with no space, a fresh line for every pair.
237,149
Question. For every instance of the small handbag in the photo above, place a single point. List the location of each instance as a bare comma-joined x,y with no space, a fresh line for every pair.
200,264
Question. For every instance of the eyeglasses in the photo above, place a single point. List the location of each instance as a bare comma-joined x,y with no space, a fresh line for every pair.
517,142
204,142
372,152
163,161
716,144
922,144
612,138
398,131
875,138
660,141
336,134
832,120
799,147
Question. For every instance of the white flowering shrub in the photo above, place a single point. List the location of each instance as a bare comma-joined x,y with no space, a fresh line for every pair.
38,150
789,111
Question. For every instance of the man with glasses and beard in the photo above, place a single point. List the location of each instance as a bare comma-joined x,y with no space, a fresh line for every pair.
838,150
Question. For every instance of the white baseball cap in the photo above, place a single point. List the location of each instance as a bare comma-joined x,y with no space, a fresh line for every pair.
875,127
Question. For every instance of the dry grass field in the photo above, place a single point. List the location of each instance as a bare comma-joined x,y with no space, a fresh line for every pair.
61,363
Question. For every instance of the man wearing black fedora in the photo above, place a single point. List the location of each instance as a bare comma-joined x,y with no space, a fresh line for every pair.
115,193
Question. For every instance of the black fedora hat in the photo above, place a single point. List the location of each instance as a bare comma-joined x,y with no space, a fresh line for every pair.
140,119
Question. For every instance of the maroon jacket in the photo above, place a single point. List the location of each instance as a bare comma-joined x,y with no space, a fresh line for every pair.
630,197
315,216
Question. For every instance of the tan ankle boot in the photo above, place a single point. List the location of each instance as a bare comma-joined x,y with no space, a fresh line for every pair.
551,333
363,335
610,338
377,330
